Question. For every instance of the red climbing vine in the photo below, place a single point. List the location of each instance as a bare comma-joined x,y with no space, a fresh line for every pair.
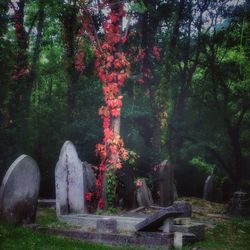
113,69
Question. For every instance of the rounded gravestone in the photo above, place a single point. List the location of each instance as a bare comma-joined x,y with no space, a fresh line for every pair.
144,196
69,182
19,191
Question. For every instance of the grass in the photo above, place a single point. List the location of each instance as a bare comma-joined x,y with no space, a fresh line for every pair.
19,238
228,235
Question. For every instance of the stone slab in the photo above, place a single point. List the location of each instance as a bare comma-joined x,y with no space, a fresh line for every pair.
153,222
19,191
69,182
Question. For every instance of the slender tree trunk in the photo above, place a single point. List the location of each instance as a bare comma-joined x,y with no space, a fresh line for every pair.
234,135
70,30
3,68
38,42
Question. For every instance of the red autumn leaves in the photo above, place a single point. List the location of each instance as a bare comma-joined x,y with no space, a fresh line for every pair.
21,69
112,68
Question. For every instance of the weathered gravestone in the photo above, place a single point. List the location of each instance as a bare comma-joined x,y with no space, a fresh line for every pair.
89,178
19,191
69,182
166,183
239,204
208,192
153,222
128,193
143,194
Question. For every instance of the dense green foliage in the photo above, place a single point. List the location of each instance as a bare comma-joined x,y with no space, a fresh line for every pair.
193,109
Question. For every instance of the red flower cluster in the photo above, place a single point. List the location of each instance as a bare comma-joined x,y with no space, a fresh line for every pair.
139,183
89,196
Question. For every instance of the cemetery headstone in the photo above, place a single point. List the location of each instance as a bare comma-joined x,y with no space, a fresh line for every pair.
129,190
144,196
89,178
209,189
239,204
69,182
166,183
19,191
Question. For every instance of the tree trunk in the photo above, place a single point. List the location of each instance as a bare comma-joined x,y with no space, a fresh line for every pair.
234,135
69,21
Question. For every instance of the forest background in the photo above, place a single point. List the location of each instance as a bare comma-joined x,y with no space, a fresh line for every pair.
187,97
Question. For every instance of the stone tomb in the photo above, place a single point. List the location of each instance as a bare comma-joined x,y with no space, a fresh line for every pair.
69,181
115,228
19,191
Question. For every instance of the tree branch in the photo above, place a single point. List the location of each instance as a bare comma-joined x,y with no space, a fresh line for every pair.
33,22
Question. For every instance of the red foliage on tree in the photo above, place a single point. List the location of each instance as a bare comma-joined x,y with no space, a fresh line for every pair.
112,69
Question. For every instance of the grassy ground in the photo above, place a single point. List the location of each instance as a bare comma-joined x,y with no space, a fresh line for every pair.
232,234
18,238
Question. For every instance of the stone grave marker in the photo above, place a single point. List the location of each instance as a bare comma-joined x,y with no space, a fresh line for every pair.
69,182
143,194
128,194
19,191
89,178
166,183
153,222
208,192
239,204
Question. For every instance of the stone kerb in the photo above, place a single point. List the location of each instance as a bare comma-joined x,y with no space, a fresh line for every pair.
19,191
69,182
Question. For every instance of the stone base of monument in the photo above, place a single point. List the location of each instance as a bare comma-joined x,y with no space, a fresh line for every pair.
91,221
196,229
148,239
107,225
